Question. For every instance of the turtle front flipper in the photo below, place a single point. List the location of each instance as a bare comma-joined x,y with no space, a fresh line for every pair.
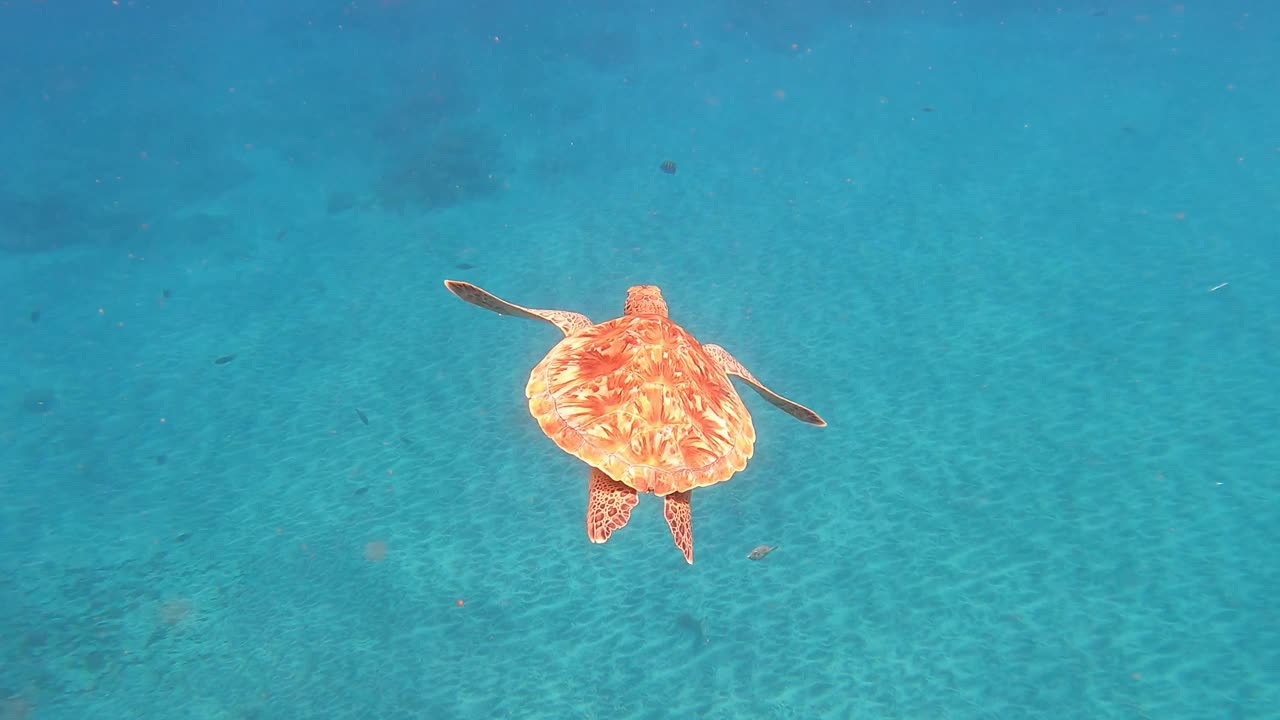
609,504
733,367
563,319
675,509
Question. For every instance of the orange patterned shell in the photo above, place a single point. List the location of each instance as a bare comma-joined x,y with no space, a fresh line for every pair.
638,398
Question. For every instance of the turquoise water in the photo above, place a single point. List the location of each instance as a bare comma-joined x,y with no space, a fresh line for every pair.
1021,257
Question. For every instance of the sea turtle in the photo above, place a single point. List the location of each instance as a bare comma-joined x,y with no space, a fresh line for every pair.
643,403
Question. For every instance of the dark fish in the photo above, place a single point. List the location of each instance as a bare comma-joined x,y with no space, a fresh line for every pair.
406,440
166,294
363,418
465,266
668,167
1098,13
361,491
183,537
224,359
160,633
280,235
160,460
927,108
35,316
691,625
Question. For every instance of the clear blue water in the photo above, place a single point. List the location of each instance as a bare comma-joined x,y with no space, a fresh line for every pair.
1021,256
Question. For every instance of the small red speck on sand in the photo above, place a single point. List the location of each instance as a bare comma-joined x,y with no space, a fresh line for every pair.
375,551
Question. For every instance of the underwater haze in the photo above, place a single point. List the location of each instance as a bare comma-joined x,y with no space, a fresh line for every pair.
257,463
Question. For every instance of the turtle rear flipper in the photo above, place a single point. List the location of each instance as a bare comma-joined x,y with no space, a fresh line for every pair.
675,508
609,504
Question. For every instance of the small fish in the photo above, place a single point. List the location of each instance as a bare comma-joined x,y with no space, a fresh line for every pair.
760,551
280,235
465,266
224,359
160,459
668,167
1218,287
35,316
927,108
166,294
160,633
183,537
361,491
696,630
363,418
406,440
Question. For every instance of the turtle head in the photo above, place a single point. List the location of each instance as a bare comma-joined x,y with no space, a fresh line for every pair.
644,300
